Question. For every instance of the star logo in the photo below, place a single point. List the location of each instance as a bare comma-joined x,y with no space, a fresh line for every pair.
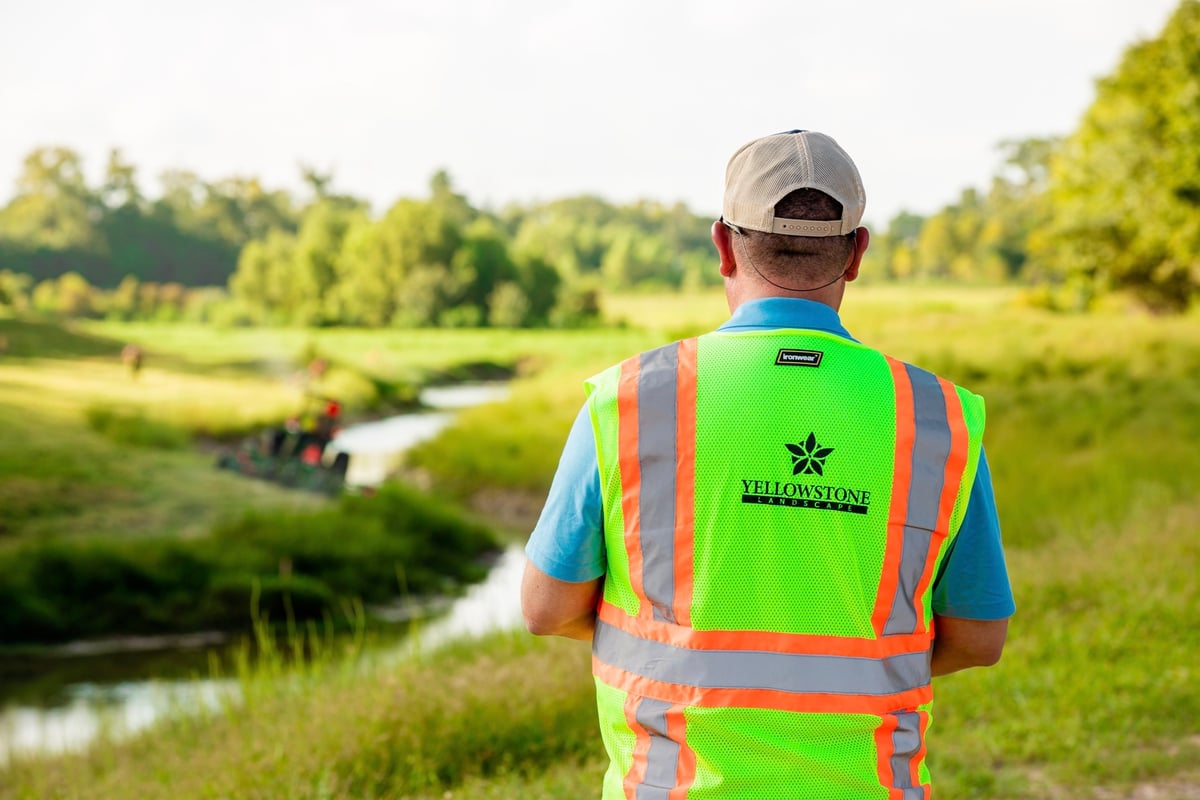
808,457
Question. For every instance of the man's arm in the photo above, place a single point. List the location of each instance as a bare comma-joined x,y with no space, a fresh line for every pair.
962,643
563,577
972,596
557,608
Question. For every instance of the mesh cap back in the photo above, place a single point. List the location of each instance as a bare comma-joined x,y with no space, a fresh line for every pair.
763,171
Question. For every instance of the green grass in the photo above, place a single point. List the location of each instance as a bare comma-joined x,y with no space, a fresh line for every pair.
1091,437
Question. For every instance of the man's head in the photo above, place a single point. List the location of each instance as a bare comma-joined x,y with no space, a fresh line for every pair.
793,204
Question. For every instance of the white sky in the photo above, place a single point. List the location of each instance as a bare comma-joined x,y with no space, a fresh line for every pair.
530,100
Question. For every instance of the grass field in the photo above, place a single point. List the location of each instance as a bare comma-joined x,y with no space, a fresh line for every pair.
1092,432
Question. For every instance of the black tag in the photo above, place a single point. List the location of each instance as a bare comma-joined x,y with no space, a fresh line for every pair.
799,358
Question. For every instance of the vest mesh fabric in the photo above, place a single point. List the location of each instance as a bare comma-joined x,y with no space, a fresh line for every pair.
750,559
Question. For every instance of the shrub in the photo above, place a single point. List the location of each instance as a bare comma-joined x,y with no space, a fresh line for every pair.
292,564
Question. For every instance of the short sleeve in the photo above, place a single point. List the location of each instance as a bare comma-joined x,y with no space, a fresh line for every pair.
973,582
568,541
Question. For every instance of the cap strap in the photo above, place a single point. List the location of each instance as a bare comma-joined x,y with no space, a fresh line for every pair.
807,227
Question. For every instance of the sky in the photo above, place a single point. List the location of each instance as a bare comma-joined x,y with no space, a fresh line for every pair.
533,100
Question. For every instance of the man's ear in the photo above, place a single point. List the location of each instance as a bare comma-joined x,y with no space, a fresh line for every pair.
862,238
723,240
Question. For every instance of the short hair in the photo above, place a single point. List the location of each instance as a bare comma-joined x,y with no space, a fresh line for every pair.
801,261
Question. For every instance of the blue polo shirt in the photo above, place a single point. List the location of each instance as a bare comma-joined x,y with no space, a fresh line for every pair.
568,541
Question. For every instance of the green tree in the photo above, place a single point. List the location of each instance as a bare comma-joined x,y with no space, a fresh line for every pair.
313,271
540,283
122,302
14,289
1125,187
364,288
479,265
53,207
120,188
239,209
70,295
263,275
421,238
508,306
637,258
448,201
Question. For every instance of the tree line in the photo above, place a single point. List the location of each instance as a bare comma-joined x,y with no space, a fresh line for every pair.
234,251
1113,206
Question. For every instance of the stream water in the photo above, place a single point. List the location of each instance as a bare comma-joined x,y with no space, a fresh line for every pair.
62,700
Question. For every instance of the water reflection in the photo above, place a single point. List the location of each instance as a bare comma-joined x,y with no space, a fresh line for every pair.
489,606
115,710
86,710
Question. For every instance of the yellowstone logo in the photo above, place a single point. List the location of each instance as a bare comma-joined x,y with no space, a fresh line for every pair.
808,458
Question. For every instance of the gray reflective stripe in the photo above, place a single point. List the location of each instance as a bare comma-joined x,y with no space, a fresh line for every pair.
662,761
656,460
754,669
906,743
931,449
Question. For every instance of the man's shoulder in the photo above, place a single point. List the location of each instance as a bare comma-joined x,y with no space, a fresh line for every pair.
927,373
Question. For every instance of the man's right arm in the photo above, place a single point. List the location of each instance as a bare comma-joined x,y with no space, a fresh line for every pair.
562,581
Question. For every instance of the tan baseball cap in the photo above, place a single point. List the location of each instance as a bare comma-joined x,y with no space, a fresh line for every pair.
763,171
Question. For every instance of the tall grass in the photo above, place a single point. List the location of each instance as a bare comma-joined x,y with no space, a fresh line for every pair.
500,710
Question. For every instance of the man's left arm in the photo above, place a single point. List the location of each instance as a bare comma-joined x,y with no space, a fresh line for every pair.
972,596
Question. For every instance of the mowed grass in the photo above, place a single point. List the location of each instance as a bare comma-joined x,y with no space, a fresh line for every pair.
59,476
1091,437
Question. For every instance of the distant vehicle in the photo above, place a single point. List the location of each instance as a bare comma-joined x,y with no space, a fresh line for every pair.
295,454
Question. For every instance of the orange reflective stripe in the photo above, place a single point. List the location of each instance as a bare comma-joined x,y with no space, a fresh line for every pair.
631,480
915,763
663,765
899,752
685,480
906,435
710,697
883,752
685,769
956,464
641,749
762,641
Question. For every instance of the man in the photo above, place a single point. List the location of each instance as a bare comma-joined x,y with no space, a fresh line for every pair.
773,535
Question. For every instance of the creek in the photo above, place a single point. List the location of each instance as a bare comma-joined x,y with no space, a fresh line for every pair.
61,700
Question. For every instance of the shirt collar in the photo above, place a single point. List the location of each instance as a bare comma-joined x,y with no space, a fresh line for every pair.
770,313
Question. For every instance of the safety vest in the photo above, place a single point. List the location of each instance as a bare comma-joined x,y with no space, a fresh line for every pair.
776,506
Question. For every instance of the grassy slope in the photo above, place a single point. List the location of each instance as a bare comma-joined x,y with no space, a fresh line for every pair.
58,477
1092,424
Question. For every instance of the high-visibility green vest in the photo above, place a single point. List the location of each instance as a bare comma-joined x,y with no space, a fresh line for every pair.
776,506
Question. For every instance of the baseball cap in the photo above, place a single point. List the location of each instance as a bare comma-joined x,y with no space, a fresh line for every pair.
763,171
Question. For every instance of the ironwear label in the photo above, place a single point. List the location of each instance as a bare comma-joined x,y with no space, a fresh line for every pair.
799,358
